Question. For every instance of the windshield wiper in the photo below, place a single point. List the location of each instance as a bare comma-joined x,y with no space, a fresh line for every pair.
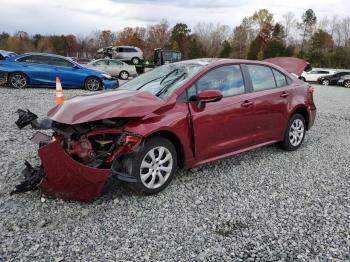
166,87
168,74
148,82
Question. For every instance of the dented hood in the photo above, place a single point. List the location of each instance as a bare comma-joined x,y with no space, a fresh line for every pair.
292,65
120,103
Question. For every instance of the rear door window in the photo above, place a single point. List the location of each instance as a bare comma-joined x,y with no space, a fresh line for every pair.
262,77
56,61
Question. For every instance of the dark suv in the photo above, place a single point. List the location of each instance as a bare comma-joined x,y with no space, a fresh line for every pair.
332,79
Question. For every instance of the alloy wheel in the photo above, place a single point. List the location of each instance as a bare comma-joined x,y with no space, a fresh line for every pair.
347,84
296,132
124,75
135,61
325,82
156,167
93,84
18,81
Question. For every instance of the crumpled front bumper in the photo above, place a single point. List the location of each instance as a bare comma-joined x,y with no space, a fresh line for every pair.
68,179
110,83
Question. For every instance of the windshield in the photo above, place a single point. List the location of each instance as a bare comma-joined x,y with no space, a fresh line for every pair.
164,80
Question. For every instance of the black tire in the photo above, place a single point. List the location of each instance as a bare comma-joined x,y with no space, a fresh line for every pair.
133,165
92,84
347,83
18,80
287,142
135,60
124,75
302,78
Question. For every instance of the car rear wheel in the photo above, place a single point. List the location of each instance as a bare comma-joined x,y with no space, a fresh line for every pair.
325,82
93,84
135,60
347,84
295,133
154,165
18,80
124,75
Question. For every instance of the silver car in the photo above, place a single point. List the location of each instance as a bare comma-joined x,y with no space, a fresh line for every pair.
114,67
128,53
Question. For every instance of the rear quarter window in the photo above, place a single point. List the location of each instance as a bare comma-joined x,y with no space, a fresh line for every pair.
280,78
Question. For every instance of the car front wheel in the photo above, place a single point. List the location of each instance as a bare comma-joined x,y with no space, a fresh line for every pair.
124,75
295,133
154,165
93,84
18,80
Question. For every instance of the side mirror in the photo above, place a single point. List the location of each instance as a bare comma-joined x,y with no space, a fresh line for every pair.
208,96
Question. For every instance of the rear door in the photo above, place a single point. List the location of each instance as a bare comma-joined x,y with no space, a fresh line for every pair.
271,96
38,69
224,126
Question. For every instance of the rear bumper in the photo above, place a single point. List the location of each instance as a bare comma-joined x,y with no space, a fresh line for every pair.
110,83
68,179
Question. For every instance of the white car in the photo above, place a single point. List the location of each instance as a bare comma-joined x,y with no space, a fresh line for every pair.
114,67
315,73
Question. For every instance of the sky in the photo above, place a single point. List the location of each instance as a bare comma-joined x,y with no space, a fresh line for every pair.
81,17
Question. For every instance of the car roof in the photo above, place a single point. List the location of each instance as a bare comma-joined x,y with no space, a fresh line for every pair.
46,54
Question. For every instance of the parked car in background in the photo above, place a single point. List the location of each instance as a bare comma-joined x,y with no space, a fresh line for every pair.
125,53
114,67
5,54
39,69
83,61
332,79
315,74
169,118
344,81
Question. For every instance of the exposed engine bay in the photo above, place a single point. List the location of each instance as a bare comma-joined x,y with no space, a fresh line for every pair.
88,151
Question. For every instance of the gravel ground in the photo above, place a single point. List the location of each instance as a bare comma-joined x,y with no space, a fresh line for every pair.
265,205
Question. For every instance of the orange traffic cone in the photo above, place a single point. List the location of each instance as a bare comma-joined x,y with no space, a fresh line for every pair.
59,92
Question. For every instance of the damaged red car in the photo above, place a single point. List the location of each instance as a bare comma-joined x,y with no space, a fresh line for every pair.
179,115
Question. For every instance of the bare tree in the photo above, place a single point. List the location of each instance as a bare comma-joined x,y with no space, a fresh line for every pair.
289,23
211,36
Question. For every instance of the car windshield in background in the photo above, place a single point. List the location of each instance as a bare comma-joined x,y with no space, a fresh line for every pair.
164,80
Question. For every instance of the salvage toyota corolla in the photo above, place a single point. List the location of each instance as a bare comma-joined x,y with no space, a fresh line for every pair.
179,115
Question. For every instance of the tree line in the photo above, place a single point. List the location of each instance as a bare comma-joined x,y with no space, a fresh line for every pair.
324,42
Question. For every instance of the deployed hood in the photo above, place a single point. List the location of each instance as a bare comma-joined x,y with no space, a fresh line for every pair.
120,103
292,65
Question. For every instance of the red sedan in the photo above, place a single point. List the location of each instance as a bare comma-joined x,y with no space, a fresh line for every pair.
179,115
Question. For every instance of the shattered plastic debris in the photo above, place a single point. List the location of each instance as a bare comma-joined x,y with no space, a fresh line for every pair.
32,179
25,118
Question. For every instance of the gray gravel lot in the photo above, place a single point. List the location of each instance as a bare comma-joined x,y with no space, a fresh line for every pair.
265,205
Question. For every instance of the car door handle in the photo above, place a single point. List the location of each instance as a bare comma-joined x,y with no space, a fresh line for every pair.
247,103
284,94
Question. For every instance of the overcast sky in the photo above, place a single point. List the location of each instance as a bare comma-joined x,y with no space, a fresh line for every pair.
84,16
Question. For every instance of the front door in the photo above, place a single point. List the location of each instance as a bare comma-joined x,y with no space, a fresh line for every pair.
224,126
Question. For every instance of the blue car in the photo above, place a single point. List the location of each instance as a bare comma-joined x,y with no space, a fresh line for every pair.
39,69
